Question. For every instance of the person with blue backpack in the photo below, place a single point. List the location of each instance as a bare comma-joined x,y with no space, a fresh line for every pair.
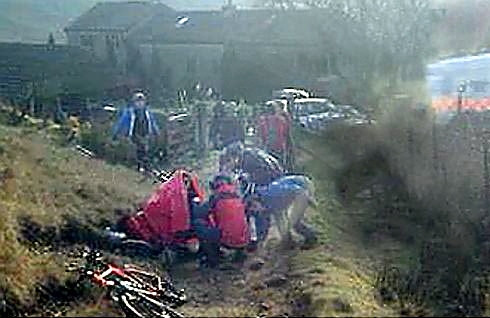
137,123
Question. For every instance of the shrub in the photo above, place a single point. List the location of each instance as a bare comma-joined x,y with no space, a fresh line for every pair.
433,190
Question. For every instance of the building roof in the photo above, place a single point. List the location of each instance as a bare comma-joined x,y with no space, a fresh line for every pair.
156,23
278,26
182,27
266,26
117,16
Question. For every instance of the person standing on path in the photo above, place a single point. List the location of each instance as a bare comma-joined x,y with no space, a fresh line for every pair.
275,133
138,124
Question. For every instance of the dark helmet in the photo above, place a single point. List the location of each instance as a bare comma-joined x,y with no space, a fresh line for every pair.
219,180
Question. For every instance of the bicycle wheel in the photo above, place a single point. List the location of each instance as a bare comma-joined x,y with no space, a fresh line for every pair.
126,303
137,248
158,308
142,306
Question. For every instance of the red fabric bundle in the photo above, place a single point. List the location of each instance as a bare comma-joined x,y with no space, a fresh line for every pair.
167,211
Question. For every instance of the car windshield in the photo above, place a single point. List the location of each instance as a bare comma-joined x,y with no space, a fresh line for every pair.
349,111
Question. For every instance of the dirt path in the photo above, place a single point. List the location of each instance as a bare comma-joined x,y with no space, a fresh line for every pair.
259,287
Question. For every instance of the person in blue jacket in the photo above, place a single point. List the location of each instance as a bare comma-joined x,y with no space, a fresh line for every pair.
265,200
138,124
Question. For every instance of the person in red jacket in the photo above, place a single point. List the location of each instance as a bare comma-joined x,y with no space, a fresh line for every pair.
274,132
227,211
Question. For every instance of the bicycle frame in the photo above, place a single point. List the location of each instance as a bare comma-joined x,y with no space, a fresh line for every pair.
124,278
130,285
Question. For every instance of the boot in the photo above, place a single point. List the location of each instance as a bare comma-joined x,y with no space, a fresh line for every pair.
239,257
210,254
308,233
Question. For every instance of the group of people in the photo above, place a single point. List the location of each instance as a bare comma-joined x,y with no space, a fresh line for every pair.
253,184
273,128
250,190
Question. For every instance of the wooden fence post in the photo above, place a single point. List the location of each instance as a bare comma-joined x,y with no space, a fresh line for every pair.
202,131
32,105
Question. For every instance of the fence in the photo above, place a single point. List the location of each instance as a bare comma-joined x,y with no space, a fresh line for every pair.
12,83
180,137
185,129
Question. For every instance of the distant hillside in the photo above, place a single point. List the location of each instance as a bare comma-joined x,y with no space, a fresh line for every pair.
31,21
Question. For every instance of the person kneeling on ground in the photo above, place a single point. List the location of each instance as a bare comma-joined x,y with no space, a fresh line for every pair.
221,220
275,200
228,213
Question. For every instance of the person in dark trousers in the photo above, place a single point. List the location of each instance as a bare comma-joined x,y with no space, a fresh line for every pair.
221,221
208,234
231,129
137,124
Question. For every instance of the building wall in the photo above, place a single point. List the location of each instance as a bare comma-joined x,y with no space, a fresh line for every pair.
47,68
254,70
73,38
184,64
99,43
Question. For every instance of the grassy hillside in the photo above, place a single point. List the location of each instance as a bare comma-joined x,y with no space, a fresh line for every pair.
43,184
342,271
43,187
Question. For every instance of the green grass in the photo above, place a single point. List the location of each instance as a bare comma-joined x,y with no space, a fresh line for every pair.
45,183
341,269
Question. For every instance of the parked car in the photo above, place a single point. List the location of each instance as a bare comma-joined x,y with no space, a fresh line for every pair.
317,114
353,116
310,112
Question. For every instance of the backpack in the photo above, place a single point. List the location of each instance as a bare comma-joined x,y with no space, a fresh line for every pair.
228,213
167,211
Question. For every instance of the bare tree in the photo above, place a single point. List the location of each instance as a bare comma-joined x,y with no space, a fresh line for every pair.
372,37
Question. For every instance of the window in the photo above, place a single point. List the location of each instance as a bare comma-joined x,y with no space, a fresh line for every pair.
87,40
